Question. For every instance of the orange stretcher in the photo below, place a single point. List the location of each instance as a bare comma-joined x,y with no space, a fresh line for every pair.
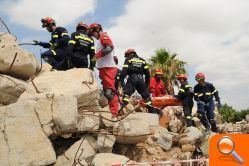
164,101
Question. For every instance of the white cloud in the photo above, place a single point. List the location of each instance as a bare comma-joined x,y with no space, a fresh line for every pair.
30,12
211,35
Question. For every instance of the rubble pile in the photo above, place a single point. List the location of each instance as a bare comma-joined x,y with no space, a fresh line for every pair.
59,118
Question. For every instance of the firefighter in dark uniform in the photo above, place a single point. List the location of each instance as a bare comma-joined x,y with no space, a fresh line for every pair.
136,67
203,94
56,55
115,58
186,94
80,47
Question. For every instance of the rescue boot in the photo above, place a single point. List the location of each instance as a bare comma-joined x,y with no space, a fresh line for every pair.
189,122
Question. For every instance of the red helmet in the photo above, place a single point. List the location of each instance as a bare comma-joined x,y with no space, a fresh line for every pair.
115,58
179,76
47,21
159,71
200,76
82,26
95,26
129,52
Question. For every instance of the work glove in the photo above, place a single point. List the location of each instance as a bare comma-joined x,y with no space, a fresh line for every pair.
36,42
201,103
53,46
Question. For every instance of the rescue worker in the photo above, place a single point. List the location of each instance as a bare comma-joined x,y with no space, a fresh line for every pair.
80,47
186,94
115,58
106,66
56,55
203,94
136,67
157,87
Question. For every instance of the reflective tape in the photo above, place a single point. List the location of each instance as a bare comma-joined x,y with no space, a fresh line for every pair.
181,90
136,60
146,67
188,86
84,38
71,42
214,91
201,94
125,65
208,93
55,36
64,34
53,52
125,99
93,48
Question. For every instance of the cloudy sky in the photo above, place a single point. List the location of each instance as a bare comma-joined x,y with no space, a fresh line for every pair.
211,35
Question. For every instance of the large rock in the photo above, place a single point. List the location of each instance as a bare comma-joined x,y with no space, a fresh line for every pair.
22,140
87,121
7,39
43,109
190,136
78,83
17,62
82,151
65,113
205,143
131,131
175,124
165,138
105,142
152,119
104,159
106,114
10,89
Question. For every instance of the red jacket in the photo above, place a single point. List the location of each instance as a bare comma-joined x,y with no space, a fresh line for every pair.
157,88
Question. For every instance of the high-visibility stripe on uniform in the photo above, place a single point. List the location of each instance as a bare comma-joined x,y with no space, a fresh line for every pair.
55,36
196,94
201,94
214,91
126,99
93,48
71,42
64,34
181,90
83,38
189,117
146,67
136,60
50,43
125,65
149,103
208,93
53,52
188,86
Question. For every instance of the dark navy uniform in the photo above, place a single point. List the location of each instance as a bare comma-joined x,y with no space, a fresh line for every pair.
203,94
56,55
186,94
136,68
80,46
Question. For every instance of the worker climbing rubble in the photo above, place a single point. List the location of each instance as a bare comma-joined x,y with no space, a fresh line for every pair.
136,67
56,55
80,47
157,87
115,58
203,94
186,94
105,64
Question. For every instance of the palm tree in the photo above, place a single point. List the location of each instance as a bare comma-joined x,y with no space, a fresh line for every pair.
170,65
